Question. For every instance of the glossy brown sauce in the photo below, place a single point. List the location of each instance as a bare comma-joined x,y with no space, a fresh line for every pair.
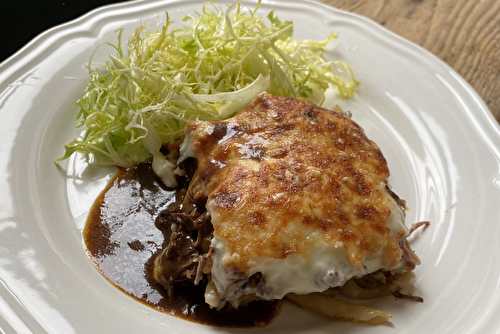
122,241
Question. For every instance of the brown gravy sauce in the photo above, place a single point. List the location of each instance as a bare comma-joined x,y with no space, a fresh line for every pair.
122,241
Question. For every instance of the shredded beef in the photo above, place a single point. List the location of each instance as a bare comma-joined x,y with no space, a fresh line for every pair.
188,232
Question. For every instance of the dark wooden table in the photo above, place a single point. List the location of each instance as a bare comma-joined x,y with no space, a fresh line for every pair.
463,33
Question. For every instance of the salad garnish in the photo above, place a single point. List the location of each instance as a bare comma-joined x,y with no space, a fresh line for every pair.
208,70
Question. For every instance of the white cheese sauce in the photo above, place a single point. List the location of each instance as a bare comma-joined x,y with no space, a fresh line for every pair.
327,266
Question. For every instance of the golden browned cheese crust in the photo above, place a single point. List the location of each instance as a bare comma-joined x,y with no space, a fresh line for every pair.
284,175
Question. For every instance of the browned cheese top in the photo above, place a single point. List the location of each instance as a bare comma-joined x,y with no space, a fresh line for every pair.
284,175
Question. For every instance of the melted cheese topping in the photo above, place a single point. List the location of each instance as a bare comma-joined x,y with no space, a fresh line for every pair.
297,195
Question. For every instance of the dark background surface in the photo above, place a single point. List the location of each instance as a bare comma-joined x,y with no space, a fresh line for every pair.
23,20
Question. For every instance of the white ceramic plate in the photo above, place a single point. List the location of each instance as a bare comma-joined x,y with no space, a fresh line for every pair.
439,138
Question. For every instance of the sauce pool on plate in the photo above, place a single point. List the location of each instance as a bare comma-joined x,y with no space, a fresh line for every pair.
122,241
